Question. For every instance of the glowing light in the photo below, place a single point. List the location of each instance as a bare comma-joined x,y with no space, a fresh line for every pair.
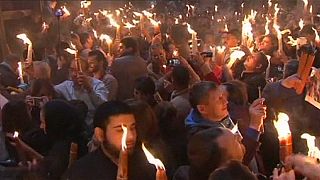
292,42
234,56
20,72
128,25
137,14
113,22
124,138
305,4
221,49
151,159
175,53
226,28
317,35
301,24
215,8
66,11
106,38
24,38
313,150
154,22
45,26
95,33
282,126
191,31
266,27
85,4
147,14
15,134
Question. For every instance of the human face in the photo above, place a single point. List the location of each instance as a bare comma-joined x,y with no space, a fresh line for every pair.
94,65
231,41
114,132
232,145
215,108
250,63
158,55
266,44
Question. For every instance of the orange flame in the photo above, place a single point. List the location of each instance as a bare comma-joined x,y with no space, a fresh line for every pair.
24,38
113,22
317,35
106,38
152,159
191,31
282,126
147,14
124,137
154,22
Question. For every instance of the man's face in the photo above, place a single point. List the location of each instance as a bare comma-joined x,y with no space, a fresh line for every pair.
114,132
232,145
215,107
94,65
231,41
265,45
251,62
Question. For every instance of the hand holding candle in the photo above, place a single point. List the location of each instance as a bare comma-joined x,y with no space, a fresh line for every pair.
161,171
193,39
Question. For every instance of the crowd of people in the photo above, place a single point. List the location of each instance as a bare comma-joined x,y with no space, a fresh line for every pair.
203,112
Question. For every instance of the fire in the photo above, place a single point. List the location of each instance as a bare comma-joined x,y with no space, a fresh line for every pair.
301,24
71,51
191,31
117,12
152,159
106,38
135,21
154,22
24,38
20,72
113,22
45,26
311,9
85,4
247,29
234,56
15,134
175,53
147,14
128,25
124,137
95,33
137,14
266,27
282,126
66,11
317,35
292,42
226,28
215,8
311,143
221,49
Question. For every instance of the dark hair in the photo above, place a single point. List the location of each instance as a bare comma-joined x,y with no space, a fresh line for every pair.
263,60
39,84
232,170
130,42
15,117
290,68
61,121
99,56
235,32
145,85
180,76
106,110
200,91
84,37
237,91
274,42
12,58
204,153
146,120
81,109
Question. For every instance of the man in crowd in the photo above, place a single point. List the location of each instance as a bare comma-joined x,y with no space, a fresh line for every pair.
128,68
103,163
8,69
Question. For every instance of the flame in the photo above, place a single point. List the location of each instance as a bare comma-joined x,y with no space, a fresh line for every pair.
45,26
235,129
66,11
20,72
124,137
234,56
215,8
106,38
113,22
226,28
292,42
317,35
154,22
129,26
85,4
137,14
305,3
191,31
117,12
152,159
175,53
15,134
147,14
276,10
247,27
266,27
95,33
311,9
269,3
71,51
285,31
282,125
135,21
313,150
301,24
24,38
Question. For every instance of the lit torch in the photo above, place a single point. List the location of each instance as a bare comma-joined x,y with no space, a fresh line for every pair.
193,39
313,150
26,40
301,24
284,135
107,39
123,156
20,72
74,52
161,171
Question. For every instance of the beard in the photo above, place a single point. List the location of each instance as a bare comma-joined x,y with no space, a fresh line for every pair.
113,150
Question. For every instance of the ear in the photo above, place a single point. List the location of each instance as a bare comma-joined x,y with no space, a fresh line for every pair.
99,134
202,109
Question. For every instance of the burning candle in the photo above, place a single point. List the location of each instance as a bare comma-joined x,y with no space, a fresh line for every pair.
317,38
15,134
284,135
141,19
85,4
266,27
161,171
301,24
279,36
26,40
45,27
115,24
313,150
20,72
74,52
129,26
311,15
234,56
305,2
105,38
193,39
122,173
155,25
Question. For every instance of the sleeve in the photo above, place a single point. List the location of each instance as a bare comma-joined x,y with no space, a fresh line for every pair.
99,94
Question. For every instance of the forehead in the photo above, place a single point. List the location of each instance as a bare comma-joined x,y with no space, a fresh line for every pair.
122,119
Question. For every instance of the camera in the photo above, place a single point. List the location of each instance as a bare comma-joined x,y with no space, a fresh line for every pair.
206,54
173,62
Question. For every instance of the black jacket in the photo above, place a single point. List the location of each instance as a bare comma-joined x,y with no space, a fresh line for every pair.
8,77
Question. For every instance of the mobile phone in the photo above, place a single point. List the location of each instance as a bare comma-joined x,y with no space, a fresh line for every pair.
173,62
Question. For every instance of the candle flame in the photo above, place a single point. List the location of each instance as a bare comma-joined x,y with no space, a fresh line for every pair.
313,150
282,125
15,134
175,53
113,22
234,56
152,159
71,51
215,8
128,25
191,31
137,14
95,33
226,28
266,27
317,35
269,3
285,31
311,10
24,38
124,137
85,4
66,11
292,42
45,26
154,22
147,14
301,24
106,38
117,12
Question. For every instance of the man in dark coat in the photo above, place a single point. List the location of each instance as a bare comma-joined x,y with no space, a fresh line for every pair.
128,68
8,75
